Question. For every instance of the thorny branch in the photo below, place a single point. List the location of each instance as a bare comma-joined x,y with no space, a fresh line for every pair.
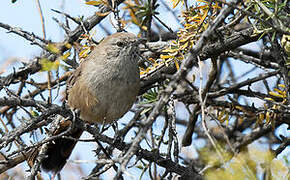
204,103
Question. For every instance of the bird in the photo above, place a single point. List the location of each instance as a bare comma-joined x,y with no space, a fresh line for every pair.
102,88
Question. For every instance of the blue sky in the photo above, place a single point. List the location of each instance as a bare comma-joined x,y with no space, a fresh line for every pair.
25,14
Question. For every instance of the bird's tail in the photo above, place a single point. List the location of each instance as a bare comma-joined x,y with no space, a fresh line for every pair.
57,151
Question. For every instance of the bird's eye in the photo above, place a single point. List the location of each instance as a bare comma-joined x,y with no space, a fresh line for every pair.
120,44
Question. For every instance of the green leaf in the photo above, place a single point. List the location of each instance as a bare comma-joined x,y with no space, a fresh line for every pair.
47,65
53,49
150,96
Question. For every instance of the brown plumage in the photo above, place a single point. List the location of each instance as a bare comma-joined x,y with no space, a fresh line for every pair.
103,88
